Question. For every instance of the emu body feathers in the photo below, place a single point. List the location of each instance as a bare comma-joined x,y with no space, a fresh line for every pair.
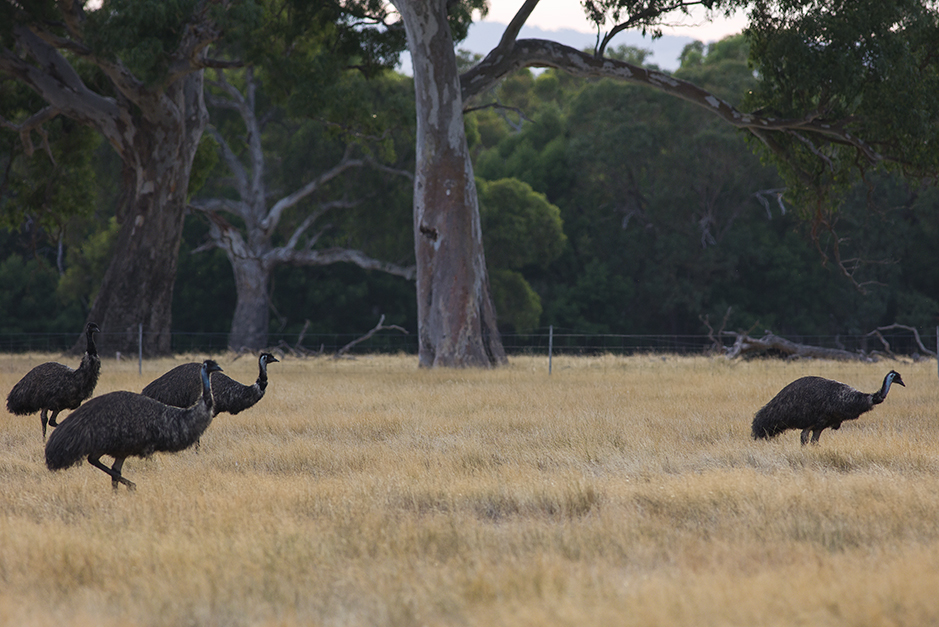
180,387
53,386
124,424
814,404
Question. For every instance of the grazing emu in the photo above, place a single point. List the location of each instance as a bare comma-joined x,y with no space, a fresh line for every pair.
813,404
180,388
53,387
124,424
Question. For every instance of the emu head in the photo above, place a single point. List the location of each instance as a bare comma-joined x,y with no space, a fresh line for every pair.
894,377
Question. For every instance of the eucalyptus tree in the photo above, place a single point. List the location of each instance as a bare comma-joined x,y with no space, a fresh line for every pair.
837,107
132,70
252,241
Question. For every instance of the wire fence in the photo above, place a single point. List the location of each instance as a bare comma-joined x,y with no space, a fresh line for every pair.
560,341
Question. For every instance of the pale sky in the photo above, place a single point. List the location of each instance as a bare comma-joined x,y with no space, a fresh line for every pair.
558,14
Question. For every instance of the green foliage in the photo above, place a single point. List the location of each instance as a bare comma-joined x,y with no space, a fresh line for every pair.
520,229
205,160
663,207
144,34
28,301
518,306
341,298
871,67
204,293
460,16
87,264
48,189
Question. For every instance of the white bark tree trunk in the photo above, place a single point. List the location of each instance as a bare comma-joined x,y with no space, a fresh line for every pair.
456,317
252,254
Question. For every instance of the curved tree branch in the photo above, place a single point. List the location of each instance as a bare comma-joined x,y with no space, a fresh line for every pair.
543,53
328,256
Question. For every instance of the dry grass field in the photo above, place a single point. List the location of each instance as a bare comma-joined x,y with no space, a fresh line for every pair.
617,491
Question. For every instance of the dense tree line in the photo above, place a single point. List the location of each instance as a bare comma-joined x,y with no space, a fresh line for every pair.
603,205
670,215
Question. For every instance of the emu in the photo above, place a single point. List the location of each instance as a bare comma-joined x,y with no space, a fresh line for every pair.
53,386
813,404
124,424
180,387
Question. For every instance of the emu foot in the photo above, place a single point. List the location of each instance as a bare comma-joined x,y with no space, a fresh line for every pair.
131,486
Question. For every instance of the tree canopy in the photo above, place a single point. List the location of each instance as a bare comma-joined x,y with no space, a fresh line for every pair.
601,194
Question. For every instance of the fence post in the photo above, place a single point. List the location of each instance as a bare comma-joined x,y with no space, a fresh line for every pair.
551,344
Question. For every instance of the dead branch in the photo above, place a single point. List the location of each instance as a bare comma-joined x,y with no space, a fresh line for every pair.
743,344
378,327
716,345
919,342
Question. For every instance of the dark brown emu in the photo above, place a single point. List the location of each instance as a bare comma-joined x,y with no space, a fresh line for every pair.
125,424
813,404
53,387
180,387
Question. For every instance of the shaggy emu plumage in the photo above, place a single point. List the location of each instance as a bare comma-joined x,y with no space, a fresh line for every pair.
180,387
813,404
53,387
125,424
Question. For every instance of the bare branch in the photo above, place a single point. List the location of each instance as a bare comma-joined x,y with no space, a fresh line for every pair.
496,105
378,327
234,166
507,42
389,170
274,215
220,64
919,342
644,18
33,123
336,255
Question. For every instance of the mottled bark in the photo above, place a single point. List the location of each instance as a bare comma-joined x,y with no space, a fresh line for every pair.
155,129
138,285
456,317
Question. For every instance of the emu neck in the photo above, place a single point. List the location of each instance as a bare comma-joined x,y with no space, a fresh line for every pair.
206,389
91,349
879,396
262,374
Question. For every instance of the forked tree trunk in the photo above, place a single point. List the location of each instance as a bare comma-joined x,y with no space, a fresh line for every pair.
456,317
138,286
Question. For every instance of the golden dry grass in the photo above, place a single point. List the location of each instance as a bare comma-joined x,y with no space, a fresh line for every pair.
620,491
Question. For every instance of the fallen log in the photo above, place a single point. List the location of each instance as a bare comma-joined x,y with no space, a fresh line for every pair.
744,344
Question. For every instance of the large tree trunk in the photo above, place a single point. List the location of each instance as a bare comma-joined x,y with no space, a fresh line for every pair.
138,286
456,317
252,310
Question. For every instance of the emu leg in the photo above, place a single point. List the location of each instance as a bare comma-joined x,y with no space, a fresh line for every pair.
115,473
118,464
805,436
52,422
815,434
42,416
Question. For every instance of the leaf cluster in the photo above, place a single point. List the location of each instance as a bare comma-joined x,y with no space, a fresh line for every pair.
869,67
